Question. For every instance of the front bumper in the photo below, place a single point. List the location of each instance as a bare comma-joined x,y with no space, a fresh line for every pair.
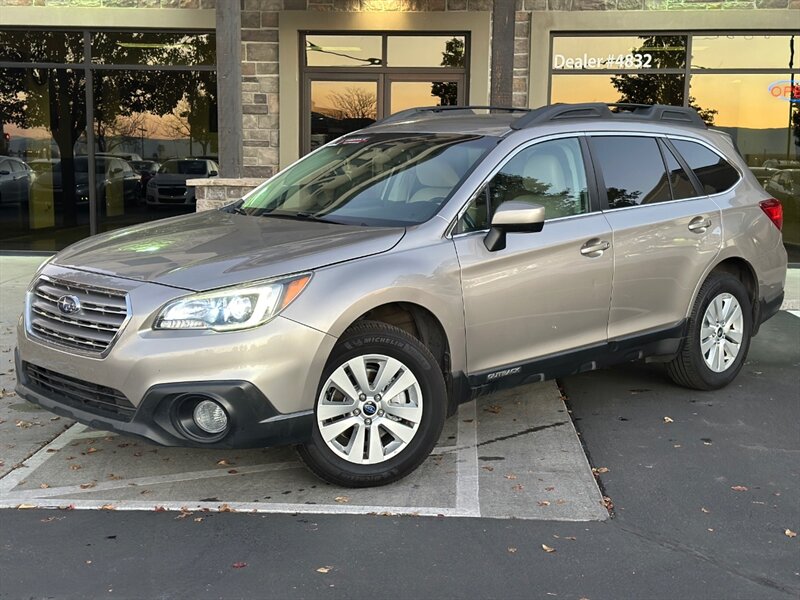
266,377
254,422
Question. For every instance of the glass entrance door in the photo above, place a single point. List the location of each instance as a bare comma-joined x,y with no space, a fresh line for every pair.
352,80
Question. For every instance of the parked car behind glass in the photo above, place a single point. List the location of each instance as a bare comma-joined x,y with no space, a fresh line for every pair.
168,186
15,180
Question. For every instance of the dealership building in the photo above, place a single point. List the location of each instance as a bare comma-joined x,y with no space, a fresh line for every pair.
110,91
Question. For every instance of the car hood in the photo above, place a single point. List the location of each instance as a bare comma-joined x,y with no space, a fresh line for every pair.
214,249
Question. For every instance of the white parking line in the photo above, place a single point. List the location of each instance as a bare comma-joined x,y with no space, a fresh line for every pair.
13,478
467,490
796,313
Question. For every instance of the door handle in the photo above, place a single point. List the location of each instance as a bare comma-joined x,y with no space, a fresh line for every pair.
595,247
699,224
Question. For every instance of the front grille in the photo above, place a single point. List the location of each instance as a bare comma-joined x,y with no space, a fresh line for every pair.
90,397
91,329
172,191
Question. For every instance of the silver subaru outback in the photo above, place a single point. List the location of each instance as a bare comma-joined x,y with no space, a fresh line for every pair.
351,302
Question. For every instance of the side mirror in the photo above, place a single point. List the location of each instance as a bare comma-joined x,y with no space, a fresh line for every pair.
213,173
115,171
516,216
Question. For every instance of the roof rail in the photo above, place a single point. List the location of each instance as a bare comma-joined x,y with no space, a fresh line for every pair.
599,110
410,113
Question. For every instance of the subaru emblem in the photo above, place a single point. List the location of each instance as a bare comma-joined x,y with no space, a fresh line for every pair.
69,305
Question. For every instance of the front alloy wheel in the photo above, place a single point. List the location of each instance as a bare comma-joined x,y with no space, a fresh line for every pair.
379,410
370,409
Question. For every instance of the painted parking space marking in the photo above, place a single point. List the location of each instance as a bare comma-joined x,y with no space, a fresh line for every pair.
450,483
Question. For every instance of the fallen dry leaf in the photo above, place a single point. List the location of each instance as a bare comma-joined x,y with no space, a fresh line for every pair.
547,548
24,424
24,506
668,420
561,501
159,508
510,476
198,519
324,569
549,488
608,503
543,503
86,486
488,468
226,508
224,463
493,408
44,486
108,507
571,537
599,469
91,450
739,488
705,510
511,549
232,471
342,499
74,467
114,477
239,565
518,487
789,533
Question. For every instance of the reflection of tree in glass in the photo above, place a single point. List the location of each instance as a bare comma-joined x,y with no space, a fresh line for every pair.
55,98
618,198
668,52
508,186
453,56
354,103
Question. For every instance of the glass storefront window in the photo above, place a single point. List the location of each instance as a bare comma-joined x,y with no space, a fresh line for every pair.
766,130
142,116
613,53
744,52
409,94
142,121
635,88
152,48
44,115
30,45
339,107
344,50
426,51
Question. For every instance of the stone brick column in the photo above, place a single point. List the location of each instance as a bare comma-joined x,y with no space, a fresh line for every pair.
217,192
260,87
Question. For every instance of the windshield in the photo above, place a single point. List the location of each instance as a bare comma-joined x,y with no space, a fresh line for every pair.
184,167
388,179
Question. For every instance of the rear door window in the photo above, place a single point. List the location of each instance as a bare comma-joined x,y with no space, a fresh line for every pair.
716,175
633,170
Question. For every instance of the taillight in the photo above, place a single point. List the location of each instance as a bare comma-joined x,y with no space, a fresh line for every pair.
773,209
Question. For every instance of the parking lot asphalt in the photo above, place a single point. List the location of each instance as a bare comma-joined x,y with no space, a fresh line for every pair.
514,454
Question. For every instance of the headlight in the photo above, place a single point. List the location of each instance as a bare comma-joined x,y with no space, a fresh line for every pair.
232,308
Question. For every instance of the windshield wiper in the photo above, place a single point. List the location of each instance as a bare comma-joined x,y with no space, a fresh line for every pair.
301,216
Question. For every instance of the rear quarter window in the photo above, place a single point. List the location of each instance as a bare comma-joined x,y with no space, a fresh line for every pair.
716,175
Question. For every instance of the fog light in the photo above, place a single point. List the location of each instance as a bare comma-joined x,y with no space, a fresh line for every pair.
210,417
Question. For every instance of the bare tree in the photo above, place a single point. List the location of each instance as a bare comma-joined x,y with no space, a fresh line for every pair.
117,132
354,103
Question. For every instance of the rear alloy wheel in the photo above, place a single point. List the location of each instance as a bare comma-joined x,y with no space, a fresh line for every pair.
718,335
380,408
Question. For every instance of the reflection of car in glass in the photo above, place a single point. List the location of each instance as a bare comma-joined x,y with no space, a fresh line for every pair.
352,301
15,180
147,169
785,185
781,163
115,180
168,186
763,174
